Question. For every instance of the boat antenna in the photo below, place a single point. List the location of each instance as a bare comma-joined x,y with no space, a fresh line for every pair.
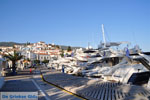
103,35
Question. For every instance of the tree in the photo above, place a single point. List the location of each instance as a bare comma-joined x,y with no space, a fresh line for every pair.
57,46
28,43
69,49
45,61
14,58
28,60
62,53
14,47
37,61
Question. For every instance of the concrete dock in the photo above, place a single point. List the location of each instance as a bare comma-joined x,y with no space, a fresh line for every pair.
54,85
25,81
92,89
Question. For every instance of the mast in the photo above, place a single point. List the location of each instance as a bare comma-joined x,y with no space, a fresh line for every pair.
103,35
88,45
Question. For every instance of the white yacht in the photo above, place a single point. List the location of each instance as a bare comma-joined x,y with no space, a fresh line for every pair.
130,69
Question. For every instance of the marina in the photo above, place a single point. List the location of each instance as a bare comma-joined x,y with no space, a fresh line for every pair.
105,73
74,50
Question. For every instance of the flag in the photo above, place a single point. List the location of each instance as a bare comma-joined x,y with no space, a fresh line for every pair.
72,54
127,52
104,53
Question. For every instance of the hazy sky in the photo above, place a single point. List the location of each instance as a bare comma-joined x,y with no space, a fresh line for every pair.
75,22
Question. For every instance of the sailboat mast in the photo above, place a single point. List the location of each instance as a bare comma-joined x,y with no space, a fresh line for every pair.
103,35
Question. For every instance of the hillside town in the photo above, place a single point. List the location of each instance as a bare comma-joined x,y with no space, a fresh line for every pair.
33,53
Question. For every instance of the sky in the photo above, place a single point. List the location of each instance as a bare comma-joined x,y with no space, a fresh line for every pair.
76,22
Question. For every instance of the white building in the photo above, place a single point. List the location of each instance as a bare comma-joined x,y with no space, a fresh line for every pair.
43,56
3,64
29,55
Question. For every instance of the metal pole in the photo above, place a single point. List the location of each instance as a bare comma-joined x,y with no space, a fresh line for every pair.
103,35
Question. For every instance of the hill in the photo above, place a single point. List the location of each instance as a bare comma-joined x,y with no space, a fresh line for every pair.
11,44
65,47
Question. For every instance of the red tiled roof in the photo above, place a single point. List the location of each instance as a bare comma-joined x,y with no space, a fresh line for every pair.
42,53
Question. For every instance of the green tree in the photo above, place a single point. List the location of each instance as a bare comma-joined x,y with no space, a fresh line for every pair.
28,43
37,61
57,46
14,47
14,58
28,60
45,61
62,53
69,49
